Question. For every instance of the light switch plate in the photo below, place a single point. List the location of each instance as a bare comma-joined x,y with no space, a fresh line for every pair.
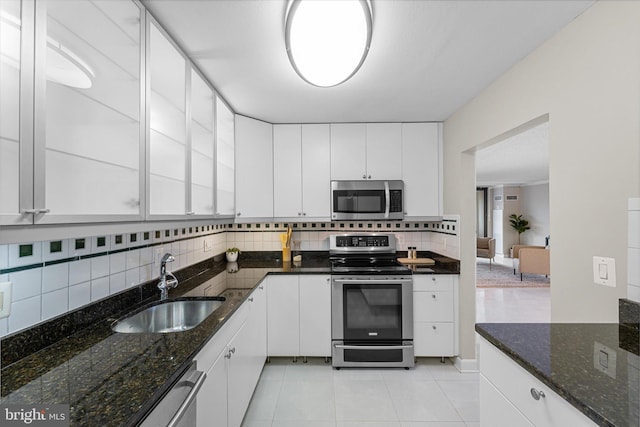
5,299
604,271
604,359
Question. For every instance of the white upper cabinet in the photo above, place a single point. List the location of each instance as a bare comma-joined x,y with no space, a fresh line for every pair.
348,151
316,171
167,126
422,170
225,159
77,157
11,140
287,171
384,151
254,169
366,151
301,171
202,146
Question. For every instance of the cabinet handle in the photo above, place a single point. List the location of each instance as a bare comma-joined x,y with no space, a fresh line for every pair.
364,176
232,350
369,177
299,213
191,213
304,214
433,278
238,214
260,287
217,213
36,211
251,299
537,394
433,296
434,328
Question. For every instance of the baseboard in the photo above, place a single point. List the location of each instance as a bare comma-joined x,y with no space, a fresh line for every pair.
466,365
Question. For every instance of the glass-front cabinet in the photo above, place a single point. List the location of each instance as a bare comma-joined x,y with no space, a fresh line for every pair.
11,57
225,159
88,110
104,118
167,126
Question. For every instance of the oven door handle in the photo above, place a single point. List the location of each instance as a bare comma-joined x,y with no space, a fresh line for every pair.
387,197
373,281
372,347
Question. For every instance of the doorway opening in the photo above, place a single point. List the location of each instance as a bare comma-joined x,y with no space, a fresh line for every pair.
512,179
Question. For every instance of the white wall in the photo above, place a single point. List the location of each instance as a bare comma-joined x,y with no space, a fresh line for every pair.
634,250
585,80
534,205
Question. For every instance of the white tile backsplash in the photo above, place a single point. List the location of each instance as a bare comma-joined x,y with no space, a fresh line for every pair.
26,284
24,313
79,271
4,256
15,258
117,282
99,267
55,250
79,295
99,288
55,277
117,262
55,303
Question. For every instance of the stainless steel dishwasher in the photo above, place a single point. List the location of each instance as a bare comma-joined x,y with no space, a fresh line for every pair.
178,407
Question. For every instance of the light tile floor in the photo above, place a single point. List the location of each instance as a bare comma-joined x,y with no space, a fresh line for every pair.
431,395
315,395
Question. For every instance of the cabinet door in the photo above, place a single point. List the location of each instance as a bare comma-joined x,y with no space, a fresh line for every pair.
434,306
434,339
87,158
211,405
240,384
16,176
421,169
225,159
496,410
315,315
348,148
384,151
202,146
316,171
287,171
167,127
254,169
257,325
283,328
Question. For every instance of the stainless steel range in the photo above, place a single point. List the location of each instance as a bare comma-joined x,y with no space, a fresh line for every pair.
371,302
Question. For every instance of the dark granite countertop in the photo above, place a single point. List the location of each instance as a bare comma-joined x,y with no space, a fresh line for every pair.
562,357
114,379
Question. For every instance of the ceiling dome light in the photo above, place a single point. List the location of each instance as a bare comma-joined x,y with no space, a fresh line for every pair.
327,40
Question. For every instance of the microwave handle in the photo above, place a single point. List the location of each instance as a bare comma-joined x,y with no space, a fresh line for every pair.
387,197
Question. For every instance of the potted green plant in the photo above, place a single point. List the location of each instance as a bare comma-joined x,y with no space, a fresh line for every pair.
519,224
232,254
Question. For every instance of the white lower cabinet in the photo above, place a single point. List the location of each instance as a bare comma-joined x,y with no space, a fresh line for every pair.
507,387
233,360
435,315
299,315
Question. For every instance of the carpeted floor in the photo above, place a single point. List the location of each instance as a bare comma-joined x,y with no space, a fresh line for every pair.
502,277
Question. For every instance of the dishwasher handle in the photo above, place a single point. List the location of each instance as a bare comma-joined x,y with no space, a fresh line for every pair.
188,400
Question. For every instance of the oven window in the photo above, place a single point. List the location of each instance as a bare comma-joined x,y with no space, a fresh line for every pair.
362,201
372,312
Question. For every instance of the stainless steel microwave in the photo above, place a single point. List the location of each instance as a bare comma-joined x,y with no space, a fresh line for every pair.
367,200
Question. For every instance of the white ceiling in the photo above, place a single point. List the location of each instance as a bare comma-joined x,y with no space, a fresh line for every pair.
518,160
427,58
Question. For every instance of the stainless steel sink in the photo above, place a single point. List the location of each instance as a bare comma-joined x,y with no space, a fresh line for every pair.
169,316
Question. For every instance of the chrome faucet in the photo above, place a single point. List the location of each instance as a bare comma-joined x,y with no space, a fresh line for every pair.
166,284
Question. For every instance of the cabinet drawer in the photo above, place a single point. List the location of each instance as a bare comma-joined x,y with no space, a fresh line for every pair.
432,339
432,282
209,353
433,306
516,383
496,410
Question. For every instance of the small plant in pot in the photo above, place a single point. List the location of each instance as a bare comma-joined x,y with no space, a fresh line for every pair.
232,254
519,224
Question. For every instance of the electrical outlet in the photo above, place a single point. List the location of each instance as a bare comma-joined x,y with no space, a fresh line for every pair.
604,271
208,245
5,299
